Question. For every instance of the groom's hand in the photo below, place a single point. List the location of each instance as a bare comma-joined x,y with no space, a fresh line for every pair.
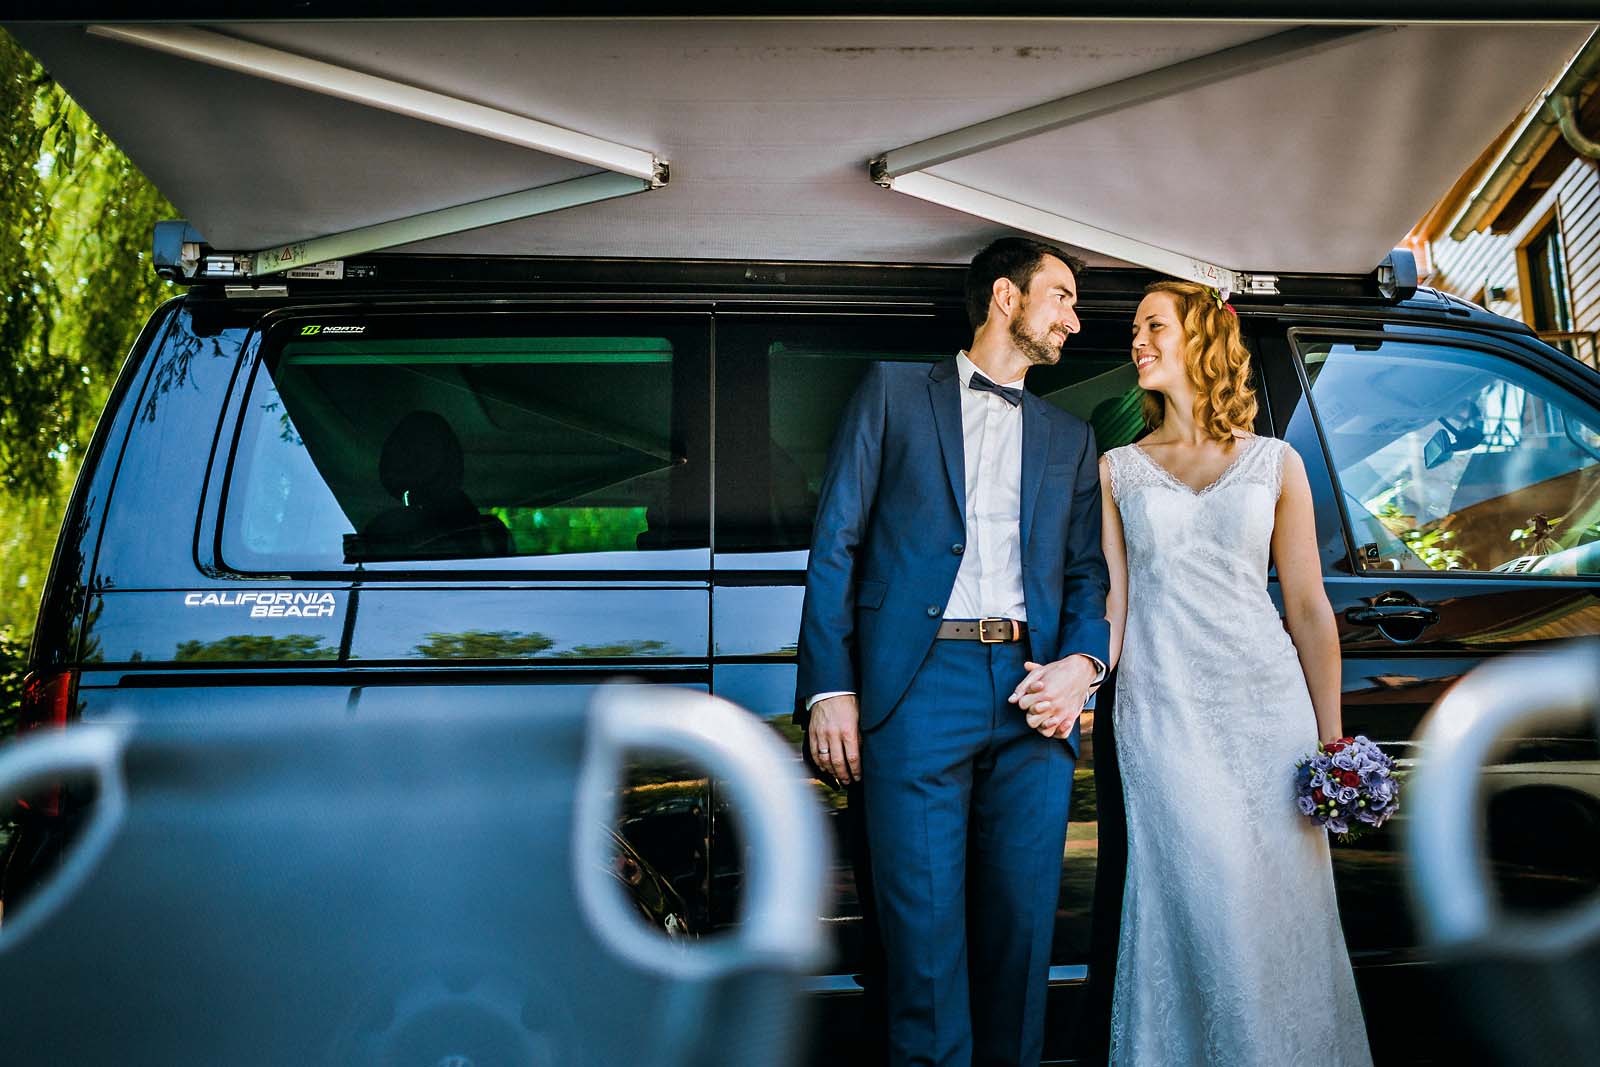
1053,694
835,737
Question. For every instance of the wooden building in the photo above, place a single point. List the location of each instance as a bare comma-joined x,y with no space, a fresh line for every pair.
1519,233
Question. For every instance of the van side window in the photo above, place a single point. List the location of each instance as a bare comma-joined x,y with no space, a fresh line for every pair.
396,440
783,382
1452,459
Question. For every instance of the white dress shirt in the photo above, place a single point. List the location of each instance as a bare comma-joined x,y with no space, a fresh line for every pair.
989,582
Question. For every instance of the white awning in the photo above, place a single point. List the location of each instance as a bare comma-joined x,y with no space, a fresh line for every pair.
1307,150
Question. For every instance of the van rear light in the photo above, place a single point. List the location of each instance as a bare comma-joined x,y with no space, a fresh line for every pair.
48,702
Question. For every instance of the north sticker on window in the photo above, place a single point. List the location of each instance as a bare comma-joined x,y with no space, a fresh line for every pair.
269,604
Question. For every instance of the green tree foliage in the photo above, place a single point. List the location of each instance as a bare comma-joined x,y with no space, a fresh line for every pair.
76,283
29,524
11,653
75,222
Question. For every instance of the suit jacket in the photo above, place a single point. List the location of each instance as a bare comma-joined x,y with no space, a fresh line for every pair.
890,530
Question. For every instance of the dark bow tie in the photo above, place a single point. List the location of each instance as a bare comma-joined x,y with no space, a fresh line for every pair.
984,385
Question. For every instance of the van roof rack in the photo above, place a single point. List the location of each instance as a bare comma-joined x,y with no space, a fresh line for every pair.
181,255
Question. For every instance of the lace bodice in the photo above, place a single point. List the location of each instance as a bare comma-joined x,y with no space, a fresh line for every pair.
1227,524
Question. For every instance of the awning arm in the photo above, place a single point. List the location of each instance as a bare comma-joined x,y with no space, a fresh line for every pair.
1119,95
272,64
511,206
903,169
1069,231
625,170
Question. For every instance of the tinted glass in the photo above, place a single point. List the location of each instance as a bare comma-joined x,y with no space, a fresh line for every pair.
783,382
576,440
1454,459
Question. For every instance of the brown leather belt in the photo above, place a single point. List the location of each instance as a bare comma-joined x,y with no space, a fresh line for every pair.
989,631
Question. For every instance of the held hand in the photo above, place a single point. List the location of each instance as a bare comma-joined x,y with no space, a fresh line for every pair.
835,737
1053,694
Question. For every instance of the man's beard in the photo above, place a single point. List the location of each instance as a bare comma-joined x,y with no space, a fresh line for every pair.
1034,349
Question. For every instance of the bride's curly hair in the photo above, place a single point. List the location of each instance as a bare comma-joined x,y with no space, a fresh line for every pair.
1216,359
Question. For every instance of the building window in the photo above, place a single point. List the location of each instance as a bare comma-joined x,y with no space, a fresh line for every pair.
1549,309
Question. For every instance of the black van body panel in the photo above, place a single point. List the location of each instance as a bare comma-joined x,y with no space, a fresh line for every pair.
56,635
172,435
168,630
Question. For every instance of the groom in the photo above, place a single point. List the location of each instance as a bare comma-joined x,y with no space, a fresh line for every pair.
954,626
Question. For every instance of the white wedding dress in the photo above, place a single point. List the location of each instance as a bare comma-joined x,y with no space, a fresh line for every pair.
1231,950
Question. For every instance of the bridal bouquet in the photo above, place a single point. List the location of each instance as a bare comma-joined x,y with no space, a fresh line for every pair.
1348,786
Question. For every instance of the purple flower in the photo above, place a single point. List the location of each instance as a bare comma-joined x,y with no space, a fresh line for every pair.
1345,761
1338,826
1307,805
1346,795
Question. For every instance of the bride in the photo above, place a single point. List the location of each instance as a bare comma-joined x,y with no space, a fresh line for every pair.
1231,950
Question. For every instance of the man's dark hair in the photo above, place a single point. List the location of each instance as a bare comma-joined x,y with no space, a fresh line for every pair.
1017,258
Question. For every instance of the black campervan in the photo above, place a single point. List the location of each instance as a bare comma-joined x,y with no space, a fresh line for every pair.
574,429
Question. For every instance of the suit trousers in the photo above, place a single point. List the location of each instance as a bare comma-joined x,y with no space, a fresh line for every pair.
966,820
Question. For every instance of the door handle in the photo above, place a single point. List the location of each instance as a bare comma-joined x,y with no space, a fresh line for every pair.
1379,614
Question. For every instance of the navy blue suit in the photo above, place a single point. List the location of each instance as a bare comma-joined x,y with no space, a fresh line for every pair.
965,805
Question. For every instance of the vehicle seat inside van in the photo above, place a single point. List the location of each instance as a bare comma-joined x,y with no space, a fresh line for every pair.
422,467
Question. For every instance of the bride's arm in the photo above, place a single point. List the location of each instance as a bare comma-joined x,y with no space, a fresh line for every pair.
1305,605
1116,563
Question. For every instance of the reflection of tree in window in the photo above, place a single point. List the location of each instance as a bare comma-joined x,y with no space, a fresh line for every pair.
510,644
620,649
254,648
484,644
